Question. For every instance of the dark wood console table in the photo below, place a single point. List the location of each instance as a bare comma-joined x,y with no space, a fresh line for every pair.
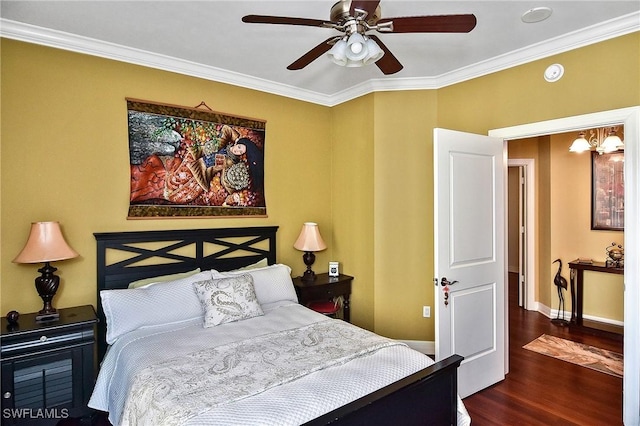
577,286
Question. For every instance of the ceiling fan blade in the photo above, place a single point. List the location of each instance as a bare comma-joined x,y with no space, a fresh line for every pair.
263,19
388,64
311,55
432,24
368,6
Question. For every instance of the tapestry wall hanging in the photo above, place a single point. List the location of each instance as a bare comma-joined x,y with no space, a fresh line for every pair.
191,162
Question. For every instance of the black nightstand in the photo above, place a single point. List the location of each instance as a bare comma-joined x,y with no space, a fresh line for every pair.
325,288
48,369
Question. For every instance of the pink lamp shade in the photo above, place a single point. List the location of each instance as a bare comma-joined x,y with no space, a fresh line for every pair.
310,238
309,241
46,244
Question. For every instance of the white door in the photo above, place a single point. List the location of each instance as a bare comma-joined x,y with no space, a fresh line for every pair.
470,239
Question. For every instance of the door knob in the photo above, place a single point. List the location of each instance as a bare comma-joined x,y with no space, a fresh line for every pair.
444,282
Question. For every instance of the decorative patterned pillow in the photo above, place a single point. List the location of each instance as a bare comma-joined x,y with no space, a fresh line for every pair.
272,283
227,299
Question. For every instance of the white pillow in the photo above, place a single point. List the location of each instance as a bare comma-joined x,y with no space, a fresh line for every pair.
129,309
162,279
272,283
227,299
262,263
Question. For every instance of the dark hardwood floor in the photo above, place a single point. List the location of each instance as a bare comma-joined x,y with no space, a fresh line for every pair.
540,390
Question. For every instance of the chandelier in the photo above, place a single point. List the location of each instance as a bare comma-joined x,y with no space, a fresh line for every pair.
602,140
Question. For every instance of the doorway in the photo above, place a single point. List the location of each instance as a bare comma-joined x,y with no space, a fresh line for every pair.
630,118
524,232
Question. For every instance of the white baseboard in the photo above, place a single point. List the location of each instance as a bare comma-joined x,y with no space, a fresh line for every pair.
423,346
604,320
553,313
545,310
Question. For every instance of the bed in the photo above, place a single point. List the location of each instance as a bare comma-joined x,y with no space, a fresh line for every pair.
272,361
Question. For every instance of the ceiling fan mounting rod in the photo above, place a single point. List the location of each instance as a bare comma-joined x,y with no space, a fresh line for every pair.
361,21
349,24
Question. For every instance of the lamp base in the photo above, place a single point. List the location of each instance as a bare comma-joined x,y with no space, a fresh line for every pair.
308,276
308,258
50,317
47,285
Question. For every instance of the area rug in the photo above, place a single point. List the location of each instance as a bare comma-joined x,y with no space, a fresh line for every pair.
578,353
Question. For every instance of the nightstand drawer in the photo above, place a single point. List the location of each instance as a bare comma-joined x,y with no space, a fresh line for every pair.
327,292
44,340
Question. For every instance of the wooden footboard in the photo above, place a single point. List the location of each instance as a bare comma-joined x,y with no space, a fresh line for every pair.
428,397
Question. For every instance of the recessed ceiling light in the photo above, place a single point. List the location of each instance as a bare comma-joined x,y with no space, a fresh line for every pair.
537,14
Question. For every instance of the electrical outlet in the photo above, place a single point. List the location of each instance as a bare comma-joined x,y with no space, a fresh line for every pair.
426,311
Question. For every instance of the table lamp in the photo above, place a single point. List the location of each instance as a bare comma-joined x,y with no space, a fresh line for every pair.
309,241
46,244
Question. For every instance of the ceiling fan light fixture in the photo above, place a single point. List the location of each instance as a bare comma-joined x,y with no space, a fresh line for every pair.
342,52
353,64
356,47
338,53
374,52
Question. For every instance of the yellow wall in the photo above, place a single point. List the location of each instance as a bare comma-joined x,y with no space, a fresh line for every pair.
403,213
352,202
572,236
366,165
65,157
520,95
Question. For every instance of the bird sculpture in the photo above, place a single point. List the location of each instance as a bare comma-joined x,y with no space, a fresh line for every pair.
561,283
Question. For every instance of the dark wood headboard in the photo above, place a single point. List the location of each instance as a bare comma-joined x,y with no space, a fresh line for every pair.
123,257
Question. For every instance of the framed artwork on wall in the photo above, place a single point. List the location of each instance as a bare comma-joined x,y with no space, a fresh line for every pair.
194,162
607,191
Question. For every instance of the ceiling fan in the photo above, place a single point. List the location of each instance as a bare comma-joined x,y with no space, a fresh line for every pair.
355,47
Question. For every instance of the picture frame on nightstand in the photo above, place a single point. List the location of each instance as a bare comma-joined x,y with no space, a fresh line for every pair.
334,269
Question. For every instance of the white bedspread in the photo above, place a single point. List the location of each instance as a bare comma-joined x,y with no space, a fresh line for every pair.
290,403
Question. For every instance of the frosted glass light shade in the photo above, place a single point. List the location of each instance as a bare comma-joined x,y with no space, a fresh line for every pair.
356,47
612,143
338,53
355,51
581,144
374,52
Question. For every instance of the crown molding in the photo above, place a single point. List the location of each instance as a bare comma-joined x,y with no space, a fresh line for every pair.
43,36
79,44
613,28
